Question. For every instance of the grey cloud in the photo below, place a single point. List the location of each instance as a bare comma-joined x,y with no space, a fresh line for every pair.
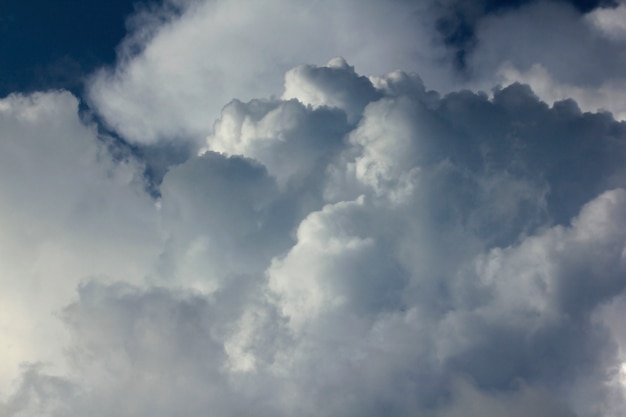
563,49
366,247
154,352
457,22
545,305
571,49
169,85
70,210
40,394
523,402
446,182
173,77
560,52
335,85
217,219
292,141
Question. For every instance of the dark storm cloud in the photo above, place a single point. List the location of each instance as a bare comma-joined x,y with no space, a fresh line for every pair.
457,20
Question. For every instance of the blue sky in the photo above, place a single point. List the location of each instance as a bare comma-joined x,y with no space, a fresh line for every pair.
313,209
55,44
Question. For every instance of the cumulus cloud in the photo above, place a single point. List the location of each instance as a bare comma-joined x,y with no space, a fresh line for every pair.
173,78
359,246
555,49
606,97
260,235
183,60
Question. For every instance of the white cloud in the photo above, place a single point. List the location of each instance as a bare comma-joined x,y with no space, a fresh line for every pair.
360,246
189,67
69,212
183,61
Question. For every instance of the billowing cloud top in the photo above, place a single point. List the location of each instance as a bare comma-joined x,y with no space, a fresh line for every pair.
181,62
353,245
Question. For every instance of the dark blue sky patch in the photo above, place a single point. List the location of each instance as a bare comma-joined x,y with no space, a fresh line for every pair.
54,44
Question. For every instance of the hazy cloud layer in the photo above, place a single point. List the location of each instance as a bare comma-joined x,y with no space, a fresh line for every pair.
360,246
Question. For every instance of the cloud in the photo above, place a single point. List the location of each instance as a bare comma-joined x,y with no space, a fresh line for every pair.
334,85
523,402
183,60
609,22
70,211
359,246
606,97
558,51
259,235
218,221
458,23
173,78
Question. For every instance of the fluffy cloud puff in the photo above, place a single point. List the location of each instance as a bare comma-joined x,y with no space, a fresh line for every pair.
172,78
362,246
557,50
183,60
